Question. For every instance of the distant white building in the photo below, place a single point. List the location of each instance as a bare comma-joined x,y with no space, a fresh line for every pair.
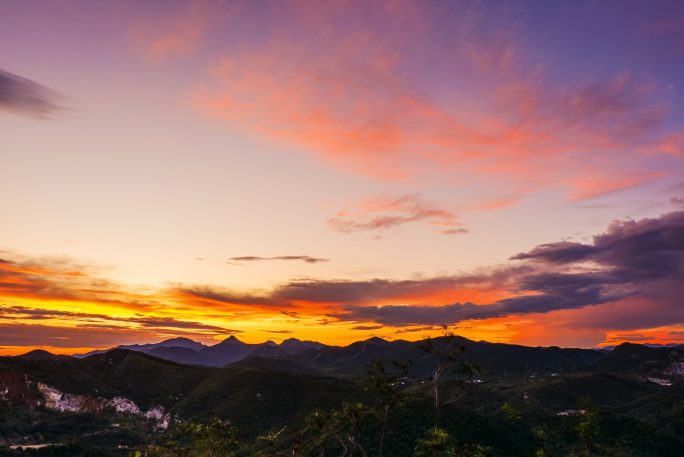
571,412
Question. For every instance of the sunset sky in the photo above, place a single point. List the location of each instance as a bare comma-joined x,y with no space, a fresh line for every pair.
333,171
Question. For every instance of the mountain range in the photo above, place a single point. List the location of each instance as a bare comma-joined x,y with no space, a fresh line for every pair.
351,360
116,400
316,359
187,351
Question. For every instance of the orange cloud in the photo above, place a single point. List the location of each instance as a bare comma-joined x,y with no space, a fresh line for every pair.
627,281
351,96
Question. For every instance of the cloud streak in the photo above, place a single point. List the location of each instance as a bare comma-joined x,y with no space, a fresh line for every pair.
635,266
384,212
303,258
24,97
149,322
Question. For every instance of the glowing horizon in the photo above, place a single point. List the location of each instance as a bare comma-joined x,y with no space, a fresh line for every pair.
333,172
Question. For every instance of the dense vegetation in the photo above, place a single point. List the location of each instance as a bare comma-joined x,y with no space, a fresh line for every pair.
267,407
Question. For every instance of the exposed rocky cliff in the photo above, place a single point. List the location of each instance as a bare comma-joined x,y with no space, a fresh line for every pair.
16,388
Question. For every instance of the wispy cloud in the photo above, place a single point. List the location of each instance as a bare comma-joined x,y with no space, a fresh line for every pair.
149,322
303,258
367,327
636,266
172,33
24,97
631,337
352,97
84,336
386,212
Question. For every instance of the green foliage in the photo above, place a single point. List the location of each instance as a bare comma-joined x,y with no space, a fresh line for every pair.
216,438
388,388
511,412
283,413
147,380
435,444
258,400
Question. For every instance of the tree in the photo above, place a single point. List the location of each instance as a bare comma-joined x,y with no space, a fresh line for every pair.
587,429
378,380
435,444
447,354
321,432
217,438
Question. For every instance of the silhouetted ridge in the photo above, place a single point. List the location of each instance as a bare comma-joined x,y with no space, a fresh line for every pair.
41,354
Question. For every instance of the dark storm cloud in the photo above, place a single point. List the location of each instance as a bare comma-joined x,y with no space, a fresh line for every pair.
24,97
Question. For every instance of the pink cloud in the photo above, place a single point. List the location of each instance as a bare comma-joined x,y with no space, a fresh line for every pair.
385,212
352,95
165,35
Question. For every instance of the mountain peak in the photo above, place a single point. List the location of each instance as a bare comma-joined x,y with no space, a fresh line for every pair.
41,354
290,341
231,339
376,340
179,340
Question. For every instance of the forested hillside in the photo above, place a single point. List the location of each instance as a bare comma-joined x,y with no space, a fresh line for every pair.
122,401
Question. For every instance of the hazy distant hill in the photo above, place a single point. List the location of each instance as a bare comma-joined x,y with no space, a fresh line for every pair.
184,350
173,342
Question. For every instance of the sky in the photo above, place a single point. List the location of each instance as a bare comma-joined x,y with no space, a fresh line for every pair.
334,171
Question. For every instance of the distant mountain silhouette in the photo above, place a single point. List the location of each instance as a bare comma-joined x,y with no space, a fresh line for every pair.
500,359
41,354
173,342
184,350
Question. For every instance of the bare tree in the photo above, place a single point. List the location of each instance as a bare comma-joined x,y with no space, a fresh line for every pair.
447,354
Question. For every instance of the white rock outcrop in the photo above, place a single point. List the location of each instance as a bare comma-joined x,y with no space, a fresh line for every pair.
58,400
122,405
157,414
